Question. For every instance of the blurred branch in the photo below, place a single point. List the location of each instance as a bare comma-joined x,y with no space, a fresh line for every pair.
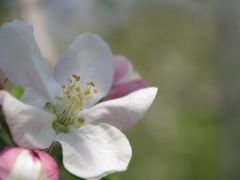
228,59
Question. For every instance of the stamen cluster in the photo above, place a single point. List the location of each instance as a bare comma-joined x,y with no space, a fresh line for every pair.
73,101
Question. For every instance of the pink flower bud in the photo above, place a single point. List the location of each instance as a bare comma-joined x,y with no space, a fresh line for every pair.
18,163
125,80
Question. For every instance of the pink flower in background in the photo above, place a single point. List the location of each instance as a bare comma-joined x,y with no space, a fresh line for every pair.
24,164
60,104
125,80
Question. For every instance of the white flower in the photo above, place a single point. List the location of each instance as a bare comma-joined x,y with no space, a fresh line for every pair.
24,164
58,105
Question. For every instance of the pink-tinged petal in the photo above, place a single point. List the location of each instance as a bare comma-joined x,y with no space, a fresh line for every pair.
30,127
92,152
49,165
89,57
8,158
123,71
121,68
21,60
123,89
125,79
123,112
23,164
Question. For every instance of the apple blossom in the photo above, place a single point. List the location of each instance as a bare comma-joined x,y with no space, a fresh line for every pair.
18,163
125,79
59,105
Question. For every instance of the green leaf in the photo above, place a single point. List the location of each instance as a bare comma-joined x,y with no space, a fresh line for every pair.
5,137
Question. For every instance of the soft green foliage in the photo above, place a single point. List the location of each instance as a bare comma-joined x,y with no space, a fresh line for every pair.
179,138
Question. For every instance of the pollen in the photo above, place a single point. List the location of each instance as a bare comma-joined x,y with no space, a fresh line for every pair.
77,78
75,96
87,92
91,83
78,89
95,91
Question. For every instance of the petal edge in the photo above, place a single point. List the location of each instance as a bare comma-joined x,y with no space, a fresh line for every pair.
95,151
30,127
123,112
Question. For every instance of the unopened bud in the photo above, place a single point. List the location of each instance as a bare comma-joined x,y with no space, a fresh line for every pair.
24,164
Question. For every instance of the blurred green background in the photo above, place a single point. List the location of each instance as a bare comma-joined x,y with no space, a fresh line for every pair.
186,48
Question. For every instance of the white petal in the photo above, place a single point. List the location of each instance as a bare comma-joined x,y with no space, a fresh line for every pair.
90,57
123,112
32,97
21,60
95,151
30,127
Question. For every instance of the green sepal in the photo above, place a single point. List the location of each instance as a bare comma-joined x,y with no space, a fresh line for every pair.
13,89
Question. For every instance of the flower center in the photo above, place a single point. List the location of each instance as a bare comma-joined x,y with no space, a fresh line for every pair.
72,102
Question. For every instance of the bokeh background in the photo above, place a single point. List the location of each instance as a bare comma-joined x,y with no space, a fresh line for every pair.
189,49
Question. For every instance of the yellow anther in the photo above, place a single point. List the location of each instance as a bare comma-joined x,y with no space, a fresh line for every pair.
74,99
91,84
95,91
75,96
67,92
71,88
78,89
77,78
87,92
